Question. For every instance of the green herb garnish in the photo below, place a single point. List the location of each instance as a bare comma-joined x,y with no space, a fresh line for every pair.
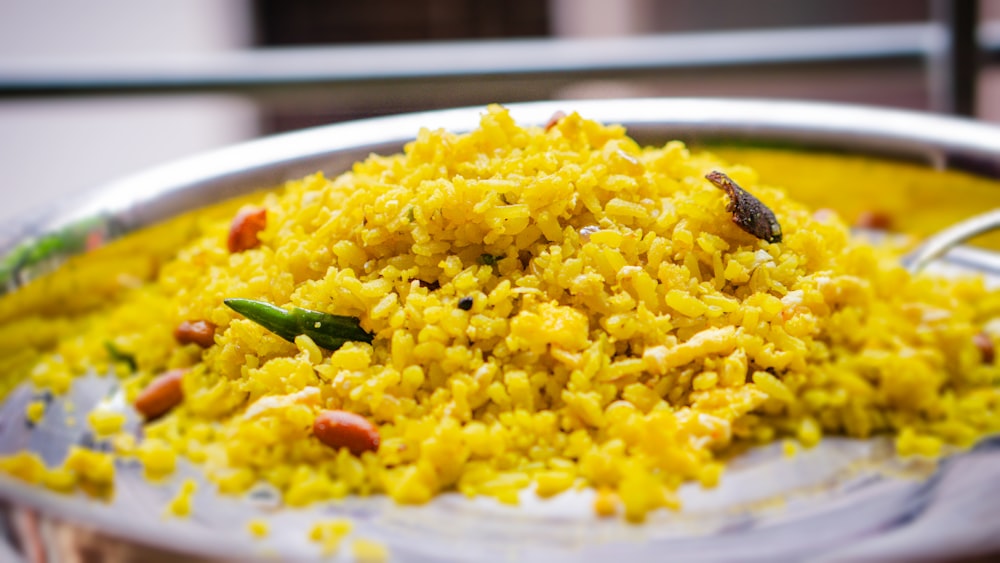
489,259
117,356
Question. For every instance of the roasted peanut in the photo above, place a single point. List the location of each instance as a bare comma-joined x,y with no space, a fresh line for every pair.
161,395
198,332
554,120
244,229
877,220
986,348
342,429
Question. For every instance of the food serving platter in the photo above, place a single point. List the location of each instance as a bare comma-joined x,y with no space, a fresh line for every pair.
844,499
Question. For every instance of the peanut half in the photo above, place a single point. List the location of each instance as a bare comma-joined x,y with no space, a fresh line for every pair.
161,395
984,343
342,429
197,332
244,228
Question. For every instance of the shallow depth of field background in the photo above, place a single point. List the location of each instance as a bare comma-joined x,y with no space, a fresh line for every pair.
91,91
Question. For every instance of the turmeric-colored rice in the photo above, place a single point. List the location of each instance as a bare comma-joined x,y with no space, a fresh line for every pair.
624,333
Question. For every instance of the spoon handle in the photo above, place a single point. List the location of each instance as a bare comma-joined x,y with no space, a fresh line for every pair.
940,243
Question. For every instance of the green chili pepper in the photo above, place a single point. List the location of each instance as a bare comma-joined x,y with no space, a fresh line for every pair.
326,330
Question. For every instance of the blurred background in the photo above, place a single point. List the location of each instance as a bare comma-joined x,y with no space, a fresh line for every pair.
91,91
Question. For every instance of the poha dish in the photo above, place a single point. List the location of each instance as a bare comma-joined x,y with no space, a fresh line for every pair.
547,307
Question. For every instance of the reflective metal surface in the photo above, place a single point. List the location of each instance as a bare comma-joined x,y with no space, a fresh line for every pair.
935,246
844,500
411,65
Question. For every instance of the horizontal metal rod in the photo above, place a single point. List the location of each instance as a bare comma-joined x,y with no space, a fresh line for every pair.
524,59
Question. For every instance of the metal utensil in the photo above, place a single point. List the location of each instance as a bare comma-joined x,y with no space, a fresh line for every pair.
935,246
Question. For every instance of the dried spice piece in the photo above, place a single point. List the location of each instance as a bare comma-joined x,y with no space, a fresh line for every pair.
465,303
429,285
489,259
748,212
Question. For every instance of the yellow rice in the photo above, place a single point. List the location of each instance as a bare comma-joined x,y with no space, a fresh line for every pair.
627,338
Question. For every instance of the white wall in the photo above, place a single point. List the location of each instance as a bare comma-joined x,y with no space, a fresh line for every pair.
58,147
68,27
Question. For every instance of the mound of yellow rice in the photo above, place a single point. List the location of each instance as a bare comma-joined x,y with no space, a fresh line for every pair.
624,333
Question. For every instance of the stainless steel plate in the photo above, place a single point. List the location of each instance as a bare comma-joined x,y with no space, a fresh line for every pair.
843,499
